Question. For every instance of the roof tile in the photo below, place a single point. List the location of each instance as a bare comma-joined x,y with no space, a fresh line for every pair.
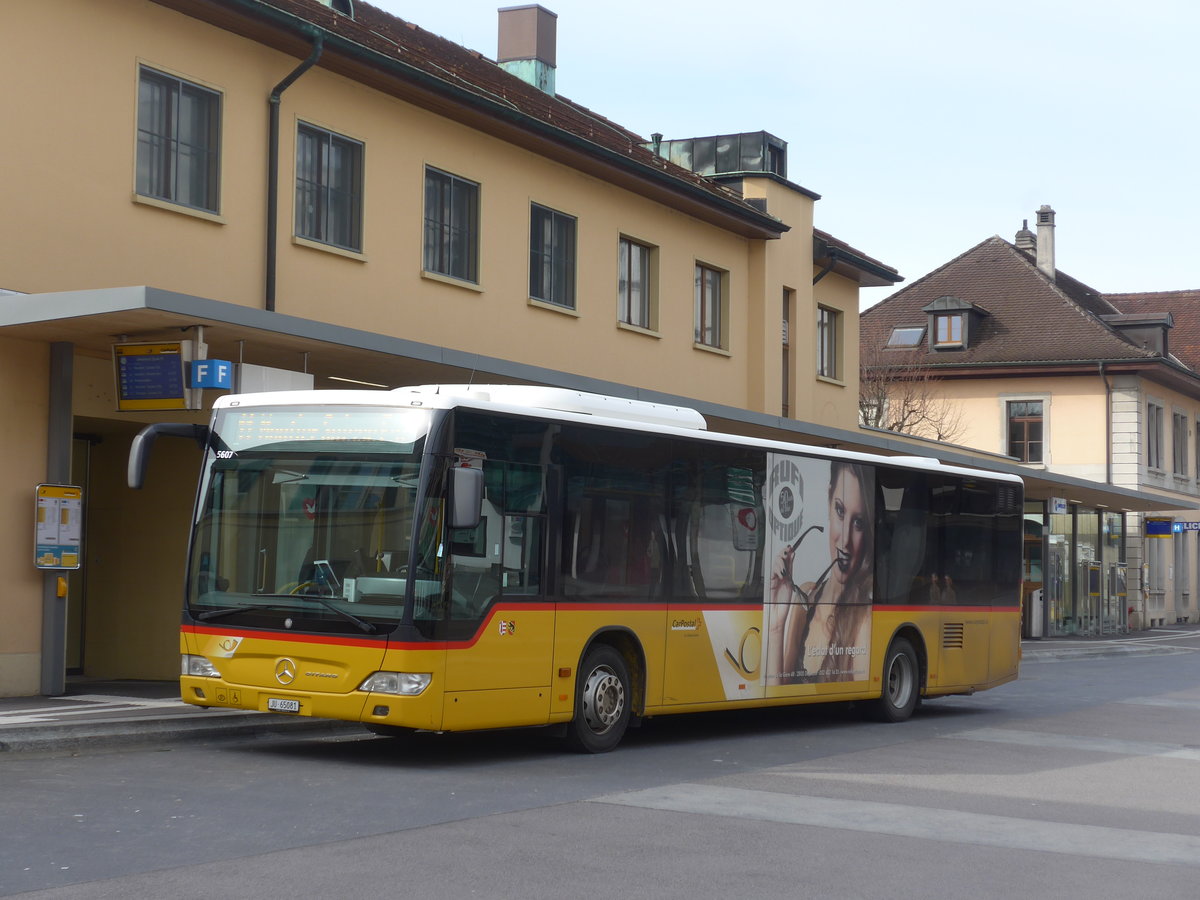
1032,319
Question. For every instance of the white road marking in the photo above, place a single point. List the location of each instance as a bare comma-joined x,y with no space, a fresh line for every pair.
1171,702
920,822
1077,742
89,704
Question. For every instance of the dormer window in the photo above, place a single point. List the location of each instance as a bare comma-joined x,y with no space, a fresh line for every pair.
948,330
953,323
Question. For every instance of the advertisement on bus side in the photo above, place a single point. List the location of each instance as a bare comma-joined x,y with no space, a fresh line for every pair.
820,546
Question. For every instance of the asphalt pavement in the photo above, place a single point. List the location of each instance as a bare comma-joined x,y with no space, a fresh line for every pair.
107,714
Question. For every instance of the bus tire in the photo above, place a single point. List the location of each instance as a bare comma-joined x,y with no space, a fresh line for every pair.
901,683
602,702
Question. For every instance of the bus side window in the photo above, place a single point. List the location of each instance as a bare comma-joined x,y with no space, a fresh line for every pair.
521,556
900,545
502,554
613,541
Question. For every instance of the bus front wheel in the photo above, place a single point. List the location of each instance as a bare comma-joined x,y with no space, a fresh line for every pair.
901,683
601,702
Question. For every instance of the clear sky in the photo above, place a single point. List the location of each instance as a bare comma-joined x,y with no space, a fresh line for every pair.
926,125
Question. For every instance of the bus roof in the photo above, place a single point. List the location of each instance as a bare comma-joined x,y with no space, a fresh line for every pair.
575,406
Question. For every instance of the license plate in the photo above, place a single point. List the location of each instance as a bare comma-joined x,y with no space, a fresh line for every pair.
274,704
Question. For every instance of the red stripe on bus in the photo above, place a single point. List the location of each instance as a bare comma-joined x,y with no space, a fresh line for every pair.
578,606
336,640
883,607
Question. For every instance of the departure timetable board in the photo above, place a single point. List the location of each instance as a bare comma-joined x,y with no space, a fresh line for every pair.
151,376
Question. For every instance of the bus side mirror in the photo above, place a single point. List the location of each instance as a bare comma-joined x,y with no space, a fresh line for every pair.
466,497
139,450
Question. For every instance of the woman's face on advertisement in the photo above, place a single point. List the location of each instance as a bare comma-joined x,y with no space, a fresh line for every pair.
847,526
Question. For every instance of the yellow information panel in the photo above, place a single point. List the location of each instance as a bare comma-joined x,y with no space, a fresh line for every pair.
59,526
152,376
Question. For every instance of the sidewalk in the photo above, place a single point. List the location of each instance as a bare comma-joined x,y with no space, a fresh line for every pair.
1163,639
121,713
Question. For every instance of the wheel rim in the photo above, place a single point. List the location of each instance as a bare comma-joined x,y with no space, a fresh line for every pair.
603,699
900,680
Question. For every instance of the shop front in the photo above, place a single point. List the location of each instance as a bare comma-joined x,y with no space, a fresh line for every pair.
1075,570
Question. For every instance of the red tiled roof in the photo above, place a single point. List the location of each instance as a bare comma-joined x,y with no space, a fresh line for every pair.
467,70
1184,306
1031,320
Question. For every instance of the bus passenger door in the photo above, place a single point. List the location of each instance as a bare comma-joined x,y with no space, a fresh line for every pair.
501,627
714,640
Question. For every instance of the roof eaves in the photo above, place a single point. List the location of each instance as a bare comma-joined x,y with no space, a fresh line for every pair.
827,248
484,101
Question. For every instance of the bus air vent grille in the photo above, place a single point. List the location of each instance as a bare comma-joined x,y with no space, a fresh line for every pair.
952,636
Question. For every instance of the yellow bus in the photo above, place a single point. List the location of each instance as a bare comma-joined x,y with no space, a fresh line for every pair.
451,558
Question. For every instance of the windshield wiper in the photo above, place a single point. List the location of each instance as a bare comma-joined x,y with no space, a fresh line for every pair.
245,607
362,625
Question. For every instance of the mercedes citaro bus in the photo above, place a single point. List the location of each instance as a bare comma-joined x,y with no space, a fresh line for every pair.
450,558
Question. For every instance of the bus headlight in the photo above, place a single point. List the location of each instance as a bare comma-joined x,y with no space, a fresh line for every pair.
406,683
198,666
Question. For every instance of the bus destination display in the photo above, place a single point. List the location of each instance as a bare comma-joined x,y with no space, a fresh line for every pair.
245,429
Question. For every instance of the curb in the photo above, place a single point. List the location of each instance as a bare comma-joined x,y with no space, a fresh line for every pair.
114,733
1097,651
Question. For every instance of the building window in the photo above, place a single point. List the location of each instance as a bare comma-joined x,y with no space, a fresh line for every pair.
948,330
1179,426
551,256
178,141
451,226
828,339
329,188
906,336
710,306
1154,435
1197,449
635,298
1025,430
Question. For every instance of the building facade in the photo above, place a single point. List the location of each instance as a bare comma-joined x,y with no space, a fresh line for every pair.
321,194
1058,377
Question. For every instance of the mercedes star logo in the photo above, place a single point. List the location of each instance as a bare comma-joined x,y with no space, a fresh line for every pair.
285,671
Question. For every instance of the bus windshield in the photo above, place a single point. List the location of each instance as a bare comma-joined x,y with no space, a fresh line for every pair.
305,519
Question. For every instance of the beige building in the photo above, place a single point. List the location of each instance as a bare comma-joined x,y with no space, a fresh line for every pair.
1100,389
321,194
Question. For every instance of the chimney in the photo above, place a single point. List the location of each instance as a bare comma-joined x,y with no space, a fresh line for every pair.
1045,241
527,44
1026,240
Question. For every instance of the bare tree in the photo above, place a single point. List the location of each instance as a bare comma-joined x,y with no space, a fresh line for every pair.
897,392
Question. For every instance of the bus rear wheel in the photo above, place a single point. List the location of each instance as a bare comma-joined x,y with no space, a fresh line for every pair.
901,683
601,702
